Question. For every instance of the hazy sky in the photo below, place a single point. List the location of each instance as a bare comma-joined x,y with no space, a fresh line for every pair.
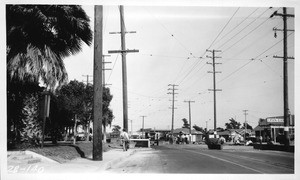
172,42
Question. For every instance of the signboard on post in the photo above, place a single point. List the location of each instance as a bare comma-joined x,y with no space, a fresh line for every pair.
275,120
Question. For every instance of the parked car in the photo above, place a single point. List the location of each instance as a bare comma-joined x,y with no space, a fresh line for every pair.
80,136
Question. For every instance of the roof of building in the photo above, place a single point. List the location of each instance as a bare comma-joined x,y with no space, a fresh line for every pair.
186,131
259,128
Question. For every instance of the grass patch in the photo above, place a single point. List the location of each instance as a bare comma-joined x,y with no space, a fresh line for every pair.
66,151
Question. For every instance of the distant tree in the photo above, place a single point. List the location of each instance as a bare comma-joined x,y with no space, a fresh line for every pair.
219,129
71,99
197,128
233,124
185,123
248,126
116,128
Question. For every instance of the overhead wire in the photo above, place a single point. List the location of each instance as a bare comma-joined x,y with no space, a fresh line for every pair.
246,34
197,63
224,27
230,31
233,36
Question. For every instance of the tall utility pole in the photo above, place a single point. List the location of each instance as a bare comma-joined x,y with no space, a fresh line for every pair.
190,118
173,99
206,124
131,127
214,84
245,113
104,69
124,69
87,78
143,125
285,57
98,90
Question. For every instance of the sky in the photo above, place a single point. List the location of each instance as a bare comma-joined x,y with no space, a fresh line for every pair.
172,43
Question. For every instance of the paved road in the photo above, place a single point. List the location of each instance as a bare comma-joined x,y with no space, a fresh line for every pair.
198,159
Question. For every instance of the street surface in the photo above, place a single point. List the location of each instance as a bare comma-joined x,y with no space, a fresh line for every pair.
198,159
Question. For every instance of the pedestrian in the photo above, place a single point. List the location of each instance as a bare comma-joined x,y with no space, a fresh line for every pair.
260,141
186,139
182,138
156,138
125,140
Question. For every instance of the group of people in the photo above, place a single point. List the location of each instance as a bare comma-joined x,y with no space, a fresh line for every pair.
182,139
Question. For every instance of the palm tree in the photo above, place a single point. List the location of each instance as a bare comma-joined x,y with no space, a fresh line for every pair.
40,36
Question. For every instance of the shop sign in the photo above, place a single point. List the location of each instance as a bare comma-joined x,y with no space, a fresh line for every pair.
275,120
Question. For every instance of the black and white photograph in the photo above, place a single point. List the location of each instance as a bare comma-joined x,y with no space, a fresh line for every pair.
152,89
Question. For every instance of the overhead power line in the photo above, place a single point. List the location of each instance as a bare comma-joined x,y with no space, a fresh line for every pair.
251,60
230,31
233,36
223,28
198,62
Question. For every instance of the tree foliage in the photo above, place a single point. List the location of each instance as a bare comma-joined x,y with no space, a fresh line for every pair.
20,98
248,126
233,124
40,36
185,123
197,128
31,133
116,128
76,98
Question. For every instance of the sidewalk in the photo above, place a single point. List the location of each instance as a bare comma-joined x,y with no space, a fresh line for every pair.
79,165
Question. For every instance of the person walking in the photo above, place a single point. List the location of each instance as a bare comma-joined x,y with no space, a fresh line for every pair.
156,137
125,140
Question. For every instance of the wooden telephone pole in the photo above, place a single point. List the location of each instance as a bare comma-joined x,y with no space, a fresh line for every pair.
214,84
173,99
98,89
285,57
245,113
143,127
124,69
190,118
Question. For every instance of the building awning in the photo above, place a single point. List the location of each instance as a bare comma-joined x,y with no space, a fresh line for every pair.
260,128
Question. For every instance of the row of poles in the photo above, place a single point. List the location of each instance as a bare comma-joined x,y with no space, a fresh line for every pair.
98,48
98,83
285,57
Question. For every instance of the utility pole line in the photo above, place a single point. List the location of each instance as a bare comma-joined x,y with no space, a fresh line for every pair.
124,69
245,126
87,78
143,125
131,126
285,57
214,83
98,90
190,118
104,69
173,99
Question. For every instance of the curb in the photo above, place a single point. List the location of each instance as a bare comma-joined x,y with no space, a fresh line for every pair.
43,158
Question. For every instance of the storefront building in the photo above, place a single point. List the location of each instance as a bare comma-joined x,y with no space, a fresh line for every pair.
272,129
